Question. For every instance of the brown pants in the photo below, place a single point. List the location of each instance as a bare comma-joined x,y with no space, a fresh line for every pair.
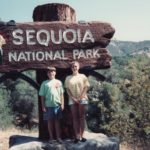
78,114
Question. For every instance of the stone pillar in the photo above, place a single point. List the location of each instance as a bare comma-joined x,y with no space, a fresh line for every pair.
54,12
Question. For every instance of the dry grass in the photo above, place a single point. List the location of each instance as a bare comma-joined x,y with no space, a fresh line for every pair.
134,147
5,134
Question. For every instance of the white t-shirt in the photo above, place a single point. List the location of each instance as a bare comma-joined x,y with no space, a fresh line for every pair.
76,84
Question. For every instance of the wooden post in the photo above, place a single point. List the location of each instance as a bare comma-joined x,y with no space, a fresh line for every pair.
53,12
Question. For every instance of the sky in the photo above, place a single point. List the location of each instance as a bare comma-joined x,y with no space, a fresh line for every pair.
130,18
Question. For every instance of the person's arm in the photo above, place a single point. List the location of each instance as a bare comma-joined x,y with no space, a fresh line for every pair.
42,103
62,101
86,86
83,93
71,96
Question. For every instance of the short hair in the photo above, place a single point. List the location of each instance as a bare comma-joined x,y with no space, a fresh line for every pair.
51,69
75,62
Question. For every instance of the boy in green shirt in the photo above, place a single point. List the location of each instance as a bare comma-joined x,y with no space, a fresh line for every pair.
52,99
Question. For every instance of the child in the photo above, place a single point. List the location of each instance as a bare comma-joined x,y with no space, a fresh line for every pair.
52,100
76,86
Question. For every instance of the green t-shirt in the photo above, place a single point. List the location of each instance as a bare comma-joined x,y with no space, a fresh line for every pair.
51,90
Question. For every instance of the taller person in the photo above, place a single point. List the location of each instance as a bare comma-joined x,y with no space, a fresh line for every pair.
76,86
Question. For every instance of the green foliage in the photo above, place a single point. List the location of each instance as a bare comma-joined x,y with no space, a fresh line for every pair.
123,106
5,114
16,98
137,98
24,99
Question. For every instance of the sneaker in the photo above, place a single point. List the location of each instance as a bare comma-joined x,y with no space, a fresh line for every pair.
51,141
76,140
59,141
83,140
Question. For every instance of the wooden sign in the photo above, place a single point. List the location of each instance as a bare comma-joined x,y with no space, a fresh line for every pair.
41,44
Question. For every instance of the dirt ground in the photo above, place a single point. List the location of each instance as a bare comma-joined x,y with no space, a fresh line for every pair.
5,134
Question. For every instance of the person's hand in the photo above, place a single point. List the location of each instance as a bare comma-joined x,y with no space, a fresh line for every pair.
75,100
43,109
62,107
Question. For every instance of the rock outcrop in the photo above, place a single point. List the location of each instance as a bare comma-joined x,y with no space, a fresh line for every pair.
95,141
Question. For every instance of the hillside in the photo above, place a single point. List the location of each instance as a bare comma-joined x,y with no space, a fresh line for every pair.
122,48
